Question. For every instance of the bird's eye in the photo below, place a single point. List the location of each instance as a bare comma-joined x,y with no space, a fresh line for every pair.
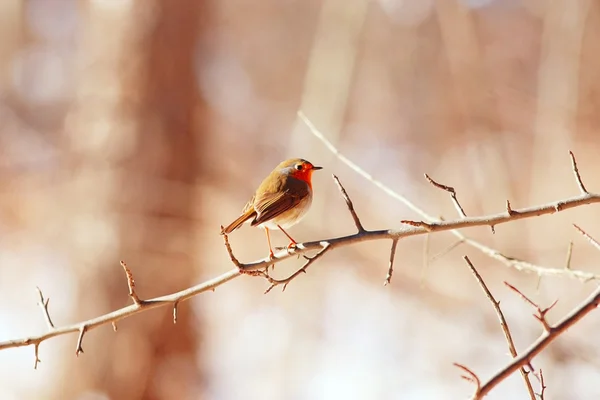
299,167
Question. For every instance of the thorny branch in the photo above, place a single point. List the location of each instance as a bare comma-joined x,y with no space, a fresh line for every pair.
549,334
510,262
539,345
452,192
411,228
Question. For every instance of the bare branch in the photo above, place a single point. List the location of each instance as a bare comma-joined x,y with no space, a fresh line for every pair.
503,325
357,222
388,278
301,248
582,188
43,303
593,241
449,189
547,337
131,284
119,314
254,268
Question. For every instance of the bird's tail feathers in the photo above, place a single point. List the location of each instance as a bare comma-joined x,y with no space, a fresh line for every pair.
238,222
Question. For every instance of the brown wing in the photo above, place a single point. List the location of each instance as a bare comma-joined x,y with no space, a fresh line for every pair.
271,204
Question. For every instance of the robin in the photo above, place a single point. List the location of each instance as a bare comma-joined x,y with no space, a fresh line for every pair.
281,200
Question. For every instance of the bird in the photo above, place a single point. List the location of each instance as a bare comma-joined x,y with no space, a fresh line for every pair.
281,201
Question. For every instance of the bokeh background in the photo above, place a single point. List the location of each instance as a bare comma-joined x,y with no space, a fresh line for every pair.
132,129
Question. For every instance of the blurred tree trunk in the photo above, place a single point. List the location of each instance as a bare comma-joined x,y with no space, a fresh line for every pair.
164,166
135,139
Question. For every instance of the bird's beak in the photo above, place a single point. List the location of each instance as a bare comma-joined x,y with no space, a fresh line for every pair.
316,168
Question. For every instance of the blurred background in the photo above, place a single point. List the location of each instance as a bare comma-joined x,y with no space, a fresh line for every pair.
132,129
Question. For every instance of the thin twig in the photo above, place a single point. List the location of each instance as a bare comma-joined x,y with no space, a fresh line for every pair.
582,188
43,303
469,376
349,204
569,255
234,260
446,250
593,241
503,325
542,385
131,284
449,189
388,277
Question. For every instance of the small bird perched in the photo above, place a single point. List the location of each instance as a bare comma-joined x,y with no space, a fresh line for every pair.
281,200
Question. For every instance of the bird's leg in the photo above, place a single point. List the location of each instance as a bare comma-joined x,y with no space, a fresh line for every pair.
293,243
271,255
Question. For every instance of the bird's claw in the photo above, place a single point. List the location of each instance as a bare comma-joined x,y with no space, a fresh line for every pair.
291,248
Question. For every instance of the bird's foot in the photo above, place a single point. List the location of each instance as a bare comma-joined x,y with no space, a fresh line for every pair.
291,248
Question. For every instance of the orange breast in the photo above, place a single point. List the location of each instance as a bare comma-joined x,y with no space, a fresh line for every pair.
304,175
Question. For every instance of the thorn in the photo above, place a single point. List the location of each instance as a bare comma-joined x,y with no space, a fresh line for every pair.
36,348
79,348
131,284
175,304
388,278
